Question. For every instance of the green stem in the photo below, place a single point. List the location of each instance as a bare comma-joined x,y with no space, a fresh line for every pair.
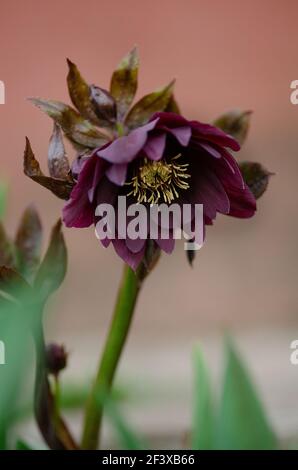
115,341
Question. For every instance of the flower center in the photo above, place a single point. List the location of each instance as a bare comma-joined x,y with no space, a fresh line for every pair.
155,180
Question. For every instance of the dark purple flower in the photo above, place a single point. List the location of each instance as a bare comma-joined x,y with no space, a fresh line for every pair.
170,159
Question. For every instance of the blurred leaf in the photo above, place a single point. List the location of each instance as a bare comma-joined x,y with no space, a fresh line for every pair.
28,242
142,111
93,103
256,177
24,445
127,437
77,129
190,255
173,106
203,414
11,281
235,123
3,200
61,188
124,82
242,423
57,160
14,337
53,267
7,253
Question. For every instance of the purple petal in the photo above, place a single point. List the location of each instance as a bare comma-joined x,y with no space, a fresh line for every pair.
78,211
97,176
132,259
125,149
243,203
135,245
155,146
213,134
210,149
182,134
167,245
209,191
117,174
170,120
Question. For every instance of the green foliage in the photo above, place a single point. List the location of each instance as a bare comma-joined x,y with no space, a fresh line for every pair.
127,438
240,421
203,407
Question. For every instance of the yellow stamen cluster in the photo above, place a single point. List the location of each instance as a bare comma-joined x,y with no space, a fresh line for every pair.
155,180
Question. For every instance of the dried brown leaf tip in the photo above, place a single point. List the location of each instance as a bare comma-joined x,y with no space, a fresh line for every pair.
28,242
57,160
60,187
124,83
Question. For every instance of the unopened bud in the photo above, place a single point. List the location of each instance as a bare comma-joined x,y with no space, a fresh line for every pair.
56,358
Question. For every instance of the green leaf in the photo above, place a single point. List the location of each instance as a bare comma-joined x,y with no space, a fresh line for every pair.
242,423
7,252
28,242
14,341
52,270
124,83
128,439
93,103
77,129
3,200
235,123
203,413
24,445
11,281
61,188
58,163
142,111
256,177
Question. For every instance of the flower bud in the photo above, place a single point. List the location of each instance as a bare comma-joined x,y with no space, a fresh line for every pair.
56,358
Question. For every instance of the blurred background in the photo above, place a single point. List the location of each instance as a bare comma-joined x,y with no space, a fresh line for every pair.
224,55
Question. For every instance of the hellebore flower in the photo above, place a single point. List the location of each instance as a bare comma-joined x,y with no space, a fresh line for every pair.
168,160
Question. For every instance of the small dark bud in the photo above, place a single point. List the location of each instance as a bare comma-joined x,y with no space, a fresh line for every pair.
56,358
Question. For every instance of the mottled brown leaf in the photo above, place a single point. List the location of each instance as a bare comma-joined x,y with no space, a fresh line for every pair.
28,243
235,123
77,129
53,267
173,106
124,83
93,103
104,105
57,160
61,188
256,177
148,105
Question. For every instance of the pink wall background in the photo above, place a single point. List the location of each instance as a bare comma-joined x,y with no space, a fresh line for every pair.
224,54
